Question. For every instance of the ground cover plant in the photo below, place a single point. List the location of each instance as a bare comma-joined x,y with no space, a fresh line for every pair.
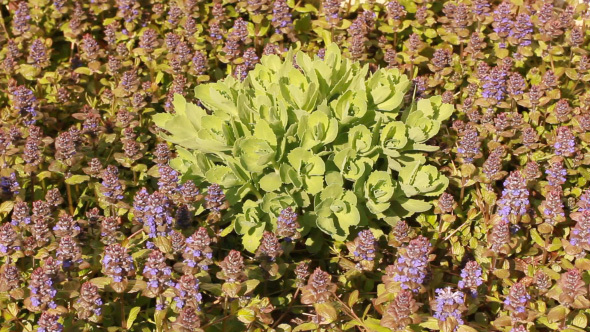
112,220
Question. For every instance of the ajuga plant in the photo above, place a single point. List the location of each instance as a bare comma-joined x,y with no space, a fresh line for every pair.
102,229
343,147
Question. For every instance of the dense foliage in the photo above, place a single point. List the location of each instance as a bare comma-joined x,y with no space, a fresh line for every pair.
104,226
291,136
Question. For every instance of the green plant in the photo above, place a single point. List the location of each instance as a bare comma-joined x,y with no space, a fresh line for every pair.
325,135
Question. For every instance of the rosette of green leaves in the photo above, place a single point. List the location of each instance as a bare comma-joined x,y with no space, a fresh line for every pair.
257,215
325,137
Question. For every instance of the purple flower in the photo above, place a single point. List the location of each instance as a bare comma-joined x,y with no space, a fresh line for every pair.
494,84
154,212
38,54
281,16
20,214
8,237
112,188
25,102
168,182
552,207
157,272
449,303
197,252
117,263
395,10
584,202
412,264
332,11
187,291
287,224
365,246
517,301
49,322
515,196
499,235
515,85
471,277
580,234
199,64
565,142
493,165
89,303
68,252
480,7
9,185
503,20
42,290
269,248
20,19
65,145
215,198
522,29
129,10
469,144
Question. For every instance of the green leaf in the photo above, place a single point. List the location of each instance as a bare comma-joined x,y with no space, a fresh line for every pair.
393,136
262,130
251,239
308,8
77,179
502,273
6,207
557,314
306,327
30,72
251,285
327,225
255,154
132,316
414,205
214,289
327,311
270,182
223,176
100,282
430,323
379,189
581,320
246,315
537,238
353,298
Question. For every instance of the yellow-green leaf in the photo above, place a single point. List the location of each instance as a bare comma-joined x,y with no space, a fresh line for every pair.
557,314
327,311
132,316
581,320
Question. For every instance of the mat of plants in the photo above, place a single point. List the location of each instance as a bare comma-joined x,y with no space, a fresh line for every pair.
280,165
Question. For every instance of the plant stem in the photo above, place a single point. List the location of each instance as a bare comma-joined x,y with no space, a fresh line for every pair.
462,188
224,312
491,275
215,322
457,229
123,320
288,309
255,191
352,314
32,186
70,204
545,250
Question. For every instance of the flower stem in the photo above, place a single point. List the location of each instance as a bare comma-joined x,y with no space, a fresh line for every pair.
70,204
352,314
288,309
123,320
